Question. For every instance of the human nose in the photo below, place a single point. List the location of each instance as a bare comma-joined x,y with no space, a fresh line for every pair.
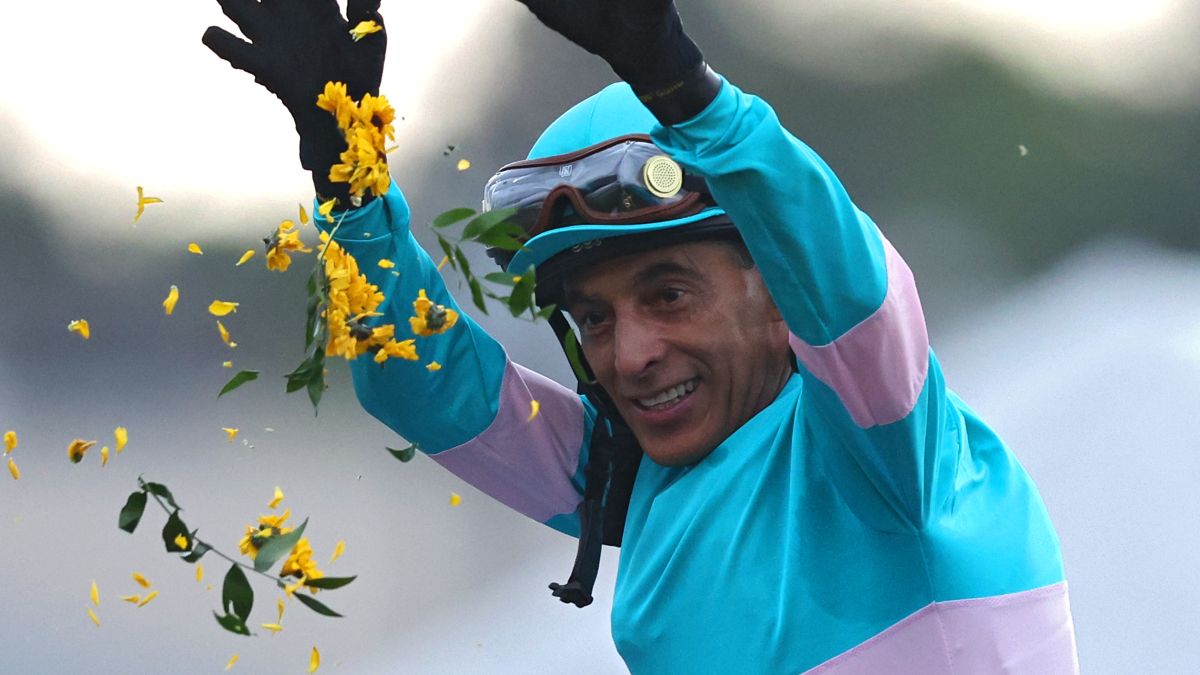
637,347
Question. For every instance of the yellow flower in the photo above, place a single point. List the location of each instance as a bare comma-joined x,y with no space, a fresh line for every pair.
534,407
242,261
268,526
181,541
433,366
284,239
231,432
104,456
385,263
141,580
406,349
227,364
142,201
195,248
325,209
121,435
199,572
431,319
299,562
464,164
276,499
95,594
232,660
363,29
146,600
77,448
132,599
82,327
455,499
338,550
225,334
10,441
95,619
314,661
12,468
334,99
273,627
172,298
221,308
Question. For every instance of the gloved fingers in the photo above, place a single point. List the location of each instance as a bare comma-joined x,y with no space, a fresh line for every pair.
239,53
363,10
248,15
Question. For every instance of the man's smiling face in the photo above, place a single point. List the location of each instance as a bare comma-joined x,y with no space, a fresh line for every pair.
685,339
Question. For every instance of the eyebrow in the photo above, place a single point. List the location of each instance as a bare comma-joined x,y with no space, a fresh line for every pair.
572,296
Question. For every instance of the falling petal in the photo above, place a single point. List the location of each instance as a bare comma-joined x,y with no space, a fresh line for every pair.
534,407
104,456
121,434
148,598
77,448
132,599
10,441
141,580
455,499
142,201
232,660
95,619
314,661
433,366
445,259
95,594
227,364
303,215
363,29
338,550
231,432
273,627
224,333
12,468
279,604
242,261
464,164
82,327
195,248
276,499
326,209
181,541
172,298
386,264
199,572
221,308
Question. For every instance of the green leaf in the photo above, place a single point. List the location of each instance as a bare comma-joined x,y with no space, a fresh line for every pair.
312,321
452,216
404,455
522,294
172,529
160,490
312,366
463,263
238,380
232,624
236,595
131,513
277,547
448,249
329,583
199,548
502,278
477,294
546,312
576,358
486,221
314,281
314,605
316,387
500,241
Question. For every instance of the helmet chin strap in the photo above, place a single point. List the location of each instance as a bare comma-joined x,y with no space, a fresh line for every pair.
613,459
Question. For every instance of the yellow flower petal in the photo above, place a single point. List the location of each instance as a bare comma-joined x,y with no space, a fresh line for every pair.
95,619
303,215
314,661
195,248
241,261
227,364
273,627
141,580
534,407
325,209
104,456
121,434
455,499
386,264
172,298
95,594
199,572
221,308
181,541
279,604
77,448
82,327
276,499
133,599
12,468
363,29
338,550
148,598
464,164
142,201
224,334
445,259
433,366
10,441
232,660
231,432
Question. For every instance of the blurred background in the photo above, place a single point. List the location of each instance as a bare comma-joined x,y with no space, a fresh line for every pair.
1036,162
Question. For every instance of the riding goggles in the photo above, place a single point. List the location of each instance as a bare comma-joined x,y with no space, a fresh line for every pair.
624,180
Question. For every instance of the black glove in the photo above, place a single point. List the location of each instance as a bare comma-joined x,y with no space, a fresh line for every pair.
644,42
294,48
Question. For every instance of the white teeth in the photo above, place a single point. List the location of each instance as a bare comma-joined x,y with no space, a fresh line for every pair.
669,395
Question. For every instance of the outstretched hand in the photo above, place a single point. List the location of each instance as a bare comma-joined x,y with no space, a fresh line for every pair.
293,48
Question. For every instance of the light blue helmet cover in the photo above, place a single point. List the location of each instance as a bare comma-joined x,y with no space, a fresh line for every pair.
611,112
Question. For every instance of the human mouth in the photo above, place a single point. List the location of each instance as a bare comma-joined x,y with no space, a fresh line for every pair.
668,397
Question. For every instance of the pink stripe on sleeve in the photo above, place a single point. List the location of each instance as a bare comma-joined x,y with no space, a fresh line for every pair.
878,367
526,464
